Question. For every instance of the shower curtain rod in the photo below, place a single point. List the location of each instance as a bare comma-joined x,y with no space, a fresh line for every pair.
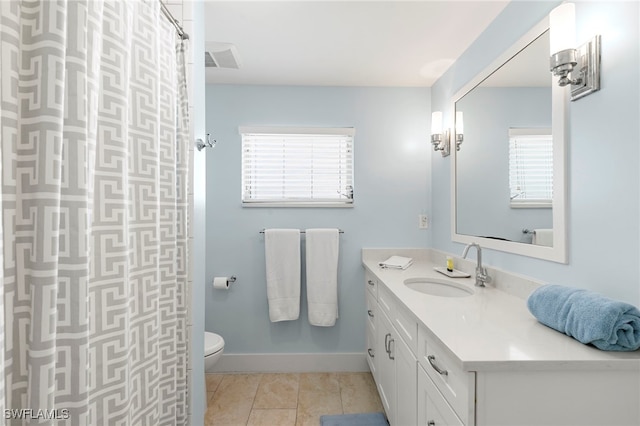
173,20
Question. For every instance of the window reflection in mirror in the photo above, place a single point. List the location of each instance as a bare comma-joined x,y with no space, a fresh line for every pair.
530,168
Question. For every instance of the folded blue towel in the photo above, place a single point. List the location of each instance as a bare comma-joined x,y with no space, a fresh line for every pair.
588,317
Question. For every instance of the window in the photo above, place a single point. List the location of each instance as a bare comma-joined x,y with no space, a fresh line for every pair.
297,167
530,168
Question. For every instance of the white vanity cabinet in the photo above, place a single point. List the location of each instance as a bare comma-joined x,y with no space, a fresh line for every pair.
418,382
372,285
449,390
433,410
386,372
371,335
372,308
396,375
406,384
485,361
395,364
426,384
593,396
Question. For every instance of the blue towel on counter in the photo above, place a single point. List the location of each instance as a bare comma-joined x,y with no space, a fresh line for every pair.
588,317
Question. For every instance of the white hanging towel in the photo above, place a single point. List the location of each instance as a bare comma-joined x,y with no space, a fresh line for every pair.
322,276
543,237
282,255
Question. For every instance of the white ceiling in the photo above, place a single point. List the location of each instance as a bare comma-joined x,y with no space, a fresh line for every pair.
344,43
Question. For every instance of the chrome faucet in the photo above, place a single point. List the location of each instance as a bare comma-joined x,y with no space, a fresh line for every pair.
481,273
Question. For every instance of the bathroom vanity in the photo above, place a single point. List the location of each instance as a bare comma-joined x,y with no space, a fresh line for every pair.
483,359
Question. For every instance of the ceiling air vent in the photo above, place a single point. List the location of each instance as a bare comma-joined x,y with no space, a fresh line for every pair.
221,55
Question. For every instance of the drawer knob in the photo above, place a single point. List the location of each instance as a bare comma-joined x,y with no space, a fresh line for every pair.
370,313
370,351
432,361
431,423
371,282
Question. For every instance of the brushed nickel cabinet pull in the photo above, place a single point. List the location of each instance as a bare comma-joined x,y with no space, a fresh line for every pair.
432,360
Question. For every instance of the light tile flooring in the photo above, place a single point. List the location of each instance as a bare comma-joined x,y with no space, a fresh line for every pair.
287,399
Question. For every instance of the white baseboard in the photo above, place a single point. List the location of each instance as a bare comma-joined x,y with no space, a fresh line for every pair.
291,363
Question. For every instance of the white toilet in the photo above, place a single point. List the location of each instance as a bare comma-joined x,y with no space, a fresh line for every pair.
213,349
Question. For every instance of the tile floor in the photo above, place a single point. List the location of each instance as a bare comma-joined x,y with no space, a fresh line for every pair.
287,399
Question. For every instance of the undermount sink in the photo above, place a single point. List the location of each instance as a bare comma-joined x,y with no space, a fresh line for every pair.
436,287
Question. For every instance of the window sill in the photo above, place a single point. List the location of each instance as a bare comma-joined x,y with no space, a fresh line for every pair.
299,205
532,205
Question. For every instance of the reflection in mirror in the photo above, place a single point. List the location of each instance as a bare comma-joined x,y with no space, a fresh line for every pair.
504,167
508,173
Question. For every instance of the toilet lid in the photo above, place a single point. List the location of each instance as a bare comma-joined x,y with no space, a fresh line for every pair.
212,343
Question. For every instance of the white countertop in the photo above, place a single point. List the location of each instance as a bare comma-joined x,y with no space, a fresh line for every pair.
490,329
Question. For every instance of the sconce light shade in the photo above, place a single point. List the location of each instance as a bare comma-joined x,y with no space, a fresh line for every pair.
436,122
578,67
562,21
439,137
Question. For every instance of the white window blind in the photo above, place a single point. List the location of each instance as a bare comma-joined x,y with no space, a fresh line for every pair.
530,168
295,166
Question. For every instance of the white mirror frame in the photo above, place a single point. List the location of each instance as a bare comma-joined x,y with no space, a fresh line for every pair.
559,130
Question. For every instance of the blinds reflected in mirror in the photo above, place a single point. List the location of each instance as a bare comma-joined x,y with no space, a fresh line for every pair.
530,168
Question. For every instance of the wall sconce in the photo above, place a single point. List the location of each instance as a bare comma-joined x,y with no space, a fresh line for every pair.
439,136
578,67
459,129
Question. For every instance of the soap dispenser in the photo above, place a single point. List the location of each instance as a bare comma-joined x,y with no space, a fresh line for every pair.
449,263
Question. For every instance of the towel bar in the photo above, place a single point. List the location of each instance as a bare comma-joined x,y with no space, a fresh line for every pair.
340,231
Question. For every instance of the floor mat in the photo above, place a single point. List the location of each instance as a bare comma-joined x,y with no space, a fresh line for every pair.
365,419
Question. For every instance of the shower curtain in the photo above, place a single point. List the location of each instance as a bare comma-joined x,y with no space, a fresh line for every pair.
94,166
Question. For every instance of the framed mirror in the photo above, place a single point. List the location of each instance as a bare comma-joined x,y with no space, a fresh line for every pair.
508,173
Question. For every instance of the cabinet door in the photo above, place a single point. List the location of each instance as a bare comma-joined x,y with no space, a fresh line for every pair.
433,409
386,373
372,351
372,308
406,383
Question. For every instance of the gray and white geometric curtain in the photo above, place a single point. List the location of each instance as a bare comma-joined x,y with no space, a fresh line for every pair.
95,181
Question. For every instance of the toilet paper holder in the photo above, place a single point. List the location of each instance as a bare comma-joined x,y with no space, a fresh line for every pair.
223,283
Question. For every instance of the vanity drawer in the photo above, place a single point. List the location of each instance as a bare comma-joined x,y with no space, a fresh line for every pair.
372,307
401,319
433,409
386,302
456,385
371,352
407,327
372,284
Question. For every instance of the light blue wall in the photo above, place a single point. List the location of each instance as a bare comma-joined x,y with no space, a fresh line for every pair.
604,153
483,192
392,159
